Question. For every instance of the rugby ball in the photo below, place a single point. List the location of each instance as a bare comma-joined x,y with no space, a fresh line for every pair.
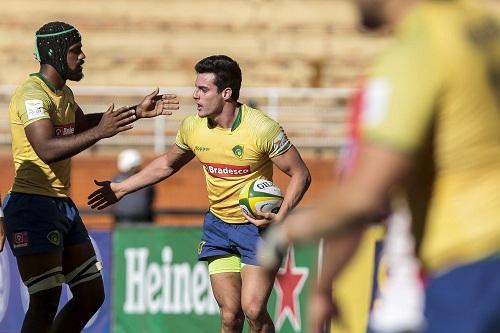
260,195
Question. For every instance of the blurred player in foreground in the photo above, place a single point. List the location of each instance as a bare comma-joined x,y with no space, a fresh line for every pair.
235,144
429,133
42,224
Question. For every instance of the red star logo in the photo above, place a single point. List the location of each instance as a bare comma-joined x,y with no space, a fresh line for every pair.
289,282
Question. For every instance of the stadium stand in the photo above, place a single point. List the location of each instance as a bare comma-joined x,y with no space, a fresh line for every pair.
151,42
133,44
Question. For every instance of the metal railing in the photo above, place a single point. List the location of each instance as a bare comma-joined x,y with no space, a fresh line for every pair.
312,117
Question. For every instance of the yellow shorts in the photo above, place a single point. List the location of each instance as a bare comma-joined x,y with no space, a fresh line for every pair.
225,264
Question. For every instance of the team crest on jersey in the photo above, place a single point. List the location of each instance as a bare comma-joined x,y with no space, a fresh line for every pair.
238,151
54,237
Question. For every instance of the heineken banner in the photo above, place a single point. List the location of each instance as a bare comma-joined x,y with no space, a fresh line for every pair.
14,297
159,286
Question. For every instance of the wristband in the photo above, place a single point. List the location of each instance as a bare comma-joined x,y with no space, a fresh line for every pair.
1,212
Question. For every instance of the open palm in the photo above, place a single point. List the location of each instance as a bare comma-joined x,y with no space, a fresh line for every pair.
153,105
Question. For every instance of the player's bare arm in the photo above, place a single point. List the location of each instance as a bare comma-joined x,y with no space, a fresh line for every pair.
345,208
51,148
151,105
322,306
357,197
157,170
290,163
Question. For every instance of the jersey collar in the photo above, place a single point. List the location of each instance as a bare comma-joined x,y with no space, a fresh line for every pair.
47,83
237,121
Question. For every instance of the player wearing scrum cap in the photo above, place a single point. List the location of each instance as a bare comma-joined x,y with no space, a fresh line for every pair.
42,224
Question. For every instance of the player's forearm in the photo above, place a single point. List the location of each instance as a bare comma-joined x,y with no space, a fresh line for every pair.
297,187
341,211
89,120
153,173
336,254
60,148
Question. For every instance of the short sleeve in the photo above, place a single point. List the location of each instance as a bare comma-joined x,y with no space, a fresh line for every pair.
182,137
399,101
273,139
33,106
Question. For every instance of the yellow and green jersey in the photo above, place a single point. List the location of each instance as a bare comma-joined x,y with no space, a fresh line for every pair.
435,93
233,156
37,99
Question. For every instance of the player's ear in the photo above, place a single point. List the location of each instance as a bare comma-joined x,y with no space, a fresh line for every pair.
226,94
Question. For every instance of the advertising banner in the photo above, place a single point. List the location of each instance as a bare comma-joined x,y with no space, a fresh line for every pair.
159,286
14,297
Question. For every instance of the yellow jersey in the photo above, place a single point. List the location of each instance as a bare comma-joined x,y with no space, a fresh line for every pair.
435,93
33,100
233,156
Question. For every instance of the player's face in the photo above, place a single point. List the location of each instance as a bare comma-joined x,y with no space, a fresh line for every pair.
372,13
208,101
75,59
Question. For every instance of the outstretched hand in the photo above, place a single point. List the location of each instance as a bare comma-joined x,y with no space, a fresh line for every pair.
153,105
103,196
115,121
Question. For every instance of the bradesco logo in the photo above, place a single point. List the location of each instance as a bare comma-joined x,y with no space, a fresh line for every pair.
225,170
66,129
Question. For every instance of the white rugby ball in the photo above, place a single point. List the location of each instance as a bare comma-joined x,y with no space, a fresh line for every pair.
260,195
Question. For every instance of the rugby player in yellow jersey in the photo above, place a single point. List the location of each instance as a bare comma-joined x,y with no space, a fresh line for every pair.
235,144
42,224
430,129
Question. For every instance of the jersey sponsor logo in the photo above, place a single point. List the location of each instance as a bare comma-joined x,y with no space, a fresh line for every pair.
34,108
225,170
238,151
20,239
201,148
66,129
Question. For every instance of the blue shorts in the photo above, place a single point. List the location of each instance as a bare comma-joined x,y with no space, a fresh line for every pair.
221,239
465,299
38,224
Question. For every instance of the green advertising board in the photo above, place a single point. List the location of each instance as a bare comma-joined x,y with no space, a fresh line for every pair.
159,286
